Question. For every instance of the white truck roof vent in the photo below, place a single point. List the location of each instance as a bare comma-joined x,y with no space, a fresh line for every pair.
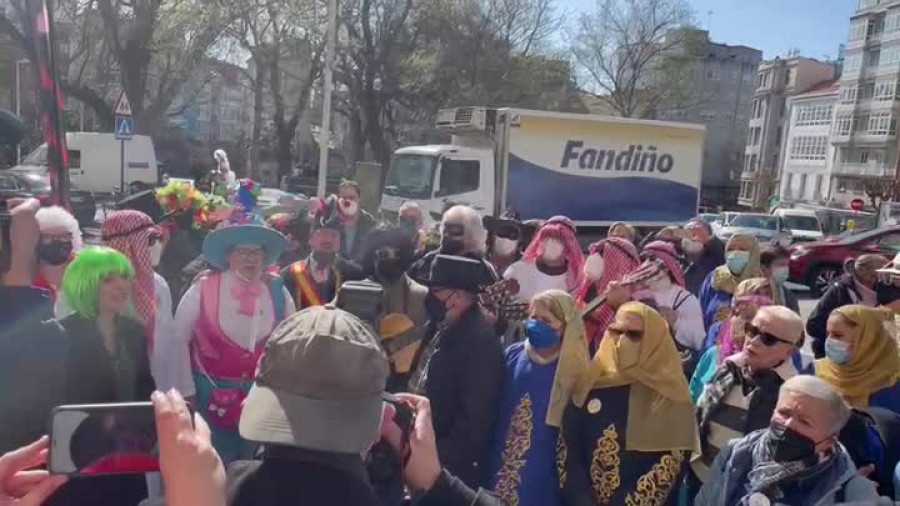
462,119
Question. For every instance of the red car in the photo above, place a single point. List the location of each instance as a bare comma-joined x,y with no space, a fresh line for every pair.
818,264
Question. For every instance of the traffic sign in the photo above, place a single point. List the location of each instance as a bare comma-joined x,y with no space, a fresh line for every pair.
857,204
124,128
123,106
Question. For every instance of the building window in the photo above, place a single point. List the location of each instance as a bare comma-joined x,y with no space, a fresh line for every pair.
858,29
808,148
884,90
889,57
843,124
848,94
892,22
778,137
852,63
882,123
712,75
817,193
814,114
802,190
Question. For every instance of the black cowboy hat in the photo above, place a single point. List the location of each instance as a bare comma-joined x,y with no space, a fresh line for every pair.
455,273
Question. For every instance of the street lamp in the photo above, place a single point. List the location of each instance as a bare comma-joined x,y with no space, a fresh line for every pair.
19,105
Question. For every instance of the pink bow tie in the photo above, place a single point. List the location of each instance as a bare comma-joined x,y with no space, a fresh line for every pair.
246,295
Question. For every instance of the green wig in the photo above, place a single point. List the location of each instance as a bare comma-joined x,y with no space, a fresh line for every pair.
81,282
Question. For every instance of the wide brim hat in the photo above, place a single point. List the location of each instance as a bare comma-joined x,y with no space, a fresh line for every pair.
219,243
147,203
319,384
455,273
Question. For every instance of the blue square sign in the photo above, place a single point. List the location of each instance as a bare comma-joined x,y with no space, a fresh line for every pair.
124,128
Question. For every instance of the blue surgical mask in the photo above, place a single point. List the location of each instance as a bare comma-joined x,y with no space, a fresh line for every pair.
780,275
838,351
737,261
541,336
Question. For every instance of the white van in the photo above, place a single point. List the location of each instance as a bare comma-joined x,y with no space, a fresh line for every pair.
95,162
803,223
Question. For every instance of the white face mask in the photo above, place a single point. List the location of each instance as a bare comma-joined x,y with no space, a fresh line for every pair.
156,251
593,267
349,207
552,250
691,246
504,247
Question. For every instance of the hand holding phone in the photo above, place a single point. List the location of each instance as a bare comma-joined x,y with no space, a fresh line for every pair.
21,484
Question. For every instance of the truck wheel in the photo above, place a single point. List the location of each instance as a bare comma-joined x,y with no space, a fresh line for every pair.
821,278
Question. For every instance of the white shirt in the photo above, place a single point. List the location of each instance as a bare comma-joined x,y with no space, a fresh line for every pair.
689,330
241,329
532,281
162,326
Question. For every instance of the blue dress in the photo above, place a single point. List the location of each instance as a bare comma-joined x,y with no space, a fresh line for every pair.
716,305
522,463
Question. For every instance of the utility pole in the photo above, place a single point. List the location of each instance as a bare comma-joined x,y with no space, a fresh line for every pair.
325,128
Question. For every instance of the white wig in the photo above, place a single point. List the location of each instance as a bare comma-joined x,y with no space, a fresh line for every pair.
811,386
55,217
411,204
475,234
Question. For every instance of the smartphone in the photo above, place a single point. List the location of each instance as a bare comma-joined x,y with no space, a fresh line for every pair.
103,439
404,417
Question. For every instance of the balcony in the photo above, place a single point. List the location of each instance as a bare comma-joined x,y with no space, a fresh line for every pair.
863,169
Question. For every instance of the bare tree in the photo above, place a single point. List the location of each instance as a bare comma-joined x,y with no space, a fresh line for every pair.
881,189
634,54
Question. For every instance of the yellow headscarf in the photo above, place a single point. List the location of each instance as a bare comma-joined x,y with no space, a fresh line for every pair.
725,280
875,363
660,412
573,355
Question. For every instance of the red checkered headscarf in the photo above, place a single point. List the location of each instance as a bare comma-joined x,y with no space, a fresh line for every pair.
129,232
666,253
563,230
620,257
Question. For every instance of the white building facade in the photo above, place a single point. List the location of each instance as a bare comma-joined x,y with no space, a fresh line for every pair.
808,154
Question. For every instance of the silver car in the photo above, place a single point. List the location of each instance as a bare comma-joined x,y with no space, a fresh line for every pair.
766,228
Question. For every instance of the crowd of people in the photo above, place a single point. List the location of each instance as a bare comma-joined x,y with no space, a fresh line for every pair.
667,369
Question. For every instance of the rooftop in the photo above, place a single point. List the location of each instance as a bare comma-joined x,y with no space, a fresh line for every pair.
824,88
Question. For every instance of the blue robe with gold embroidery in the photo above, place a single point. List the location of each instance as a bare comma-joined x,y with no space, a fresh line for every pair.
595,467
522,462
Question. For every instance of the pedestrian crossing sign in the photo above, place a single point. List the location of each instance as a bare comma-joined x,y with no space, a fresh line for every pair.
124,128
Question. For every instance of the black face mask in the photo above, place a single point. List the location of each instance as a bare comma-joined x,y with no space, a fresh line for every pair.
788,445
324,258
389,270
436,309
887,293
452,246
55,252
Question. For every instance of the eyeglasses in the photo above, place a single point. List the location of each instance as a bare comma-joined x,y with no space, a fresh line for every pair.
767,339
634,335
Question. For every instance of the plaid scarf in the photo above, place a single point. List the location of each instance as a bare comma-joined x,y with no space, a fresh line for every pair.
767,476
728,375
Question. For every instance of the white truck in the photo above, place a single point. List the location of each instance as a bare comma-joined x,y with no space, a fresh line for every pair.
95,162
596,170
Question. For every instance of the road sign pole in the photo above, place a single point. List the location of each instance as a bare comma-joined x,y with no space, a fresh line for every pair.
122,169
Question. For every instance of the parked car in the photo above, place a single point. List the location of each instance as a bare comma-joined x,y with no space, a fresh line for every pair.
723,219
273,200
17,184
766,228
803,223
818,264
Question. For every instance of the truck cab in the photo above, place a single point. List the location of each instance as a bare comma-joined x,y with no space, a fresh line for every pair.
440,176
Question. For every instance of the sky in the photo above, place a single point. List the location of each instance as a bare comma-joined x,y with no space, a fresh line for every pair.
815,27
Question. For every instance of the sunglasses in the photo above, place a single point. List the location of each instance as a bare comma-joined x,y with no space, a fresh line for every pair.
634,335
508,233
767,339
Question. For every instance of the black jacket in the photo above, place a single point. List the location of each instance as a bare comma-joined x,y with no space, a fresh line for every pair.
464,380
32,360
841,293
291,476
450,491
713,255
355,251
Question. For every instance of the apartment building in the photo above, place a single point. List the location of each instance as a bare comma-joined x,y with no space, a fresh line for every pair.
723,87
808,154
776,82
864,131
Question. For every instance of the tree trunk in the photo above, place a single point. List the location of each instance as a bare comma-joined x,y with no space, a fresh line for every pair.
253,158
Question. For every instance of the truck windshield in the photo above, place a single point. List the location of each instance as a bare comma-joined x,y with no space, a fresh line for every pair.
37,157
411,176
804,223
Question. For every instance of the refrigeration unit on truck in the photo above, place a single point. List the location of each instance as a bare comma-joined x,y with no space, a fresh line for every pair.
597,170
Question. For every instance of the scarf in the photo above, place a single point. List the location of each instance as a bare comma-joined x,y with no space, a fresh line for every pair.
129,232
246,293
660,411
731,335
562,230
573,353
666,253
726,281
767,476
875,364
620,258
